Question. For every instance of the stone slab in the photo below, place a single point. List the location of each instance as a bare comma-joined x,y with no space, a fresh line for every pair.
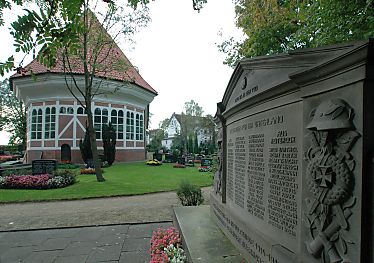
202,239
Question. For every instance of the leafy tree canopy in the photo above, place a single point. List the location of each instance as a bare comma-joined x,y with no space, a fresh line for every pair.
53,24
276,26
192,108
12,115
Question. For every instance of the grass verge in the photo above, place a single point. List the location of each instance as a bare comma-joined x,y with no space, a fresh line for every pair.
121,179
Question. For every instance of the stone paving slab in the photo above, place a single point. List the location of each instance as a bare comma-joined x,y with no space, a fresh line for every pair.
113,243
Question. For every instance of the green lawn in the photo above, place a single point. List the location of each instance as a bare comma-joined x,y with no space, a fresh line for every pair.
121,179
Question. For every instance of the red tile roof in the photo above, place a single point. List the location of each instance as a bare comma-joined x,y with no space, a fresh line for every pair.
111,64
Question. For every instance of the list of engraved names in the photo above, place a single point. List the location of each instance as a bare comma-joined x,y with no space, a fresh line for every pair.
263,170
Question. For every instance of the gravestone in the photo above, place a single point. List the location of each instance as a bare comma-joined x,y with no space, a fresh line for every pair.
206,162
43,166
295,182
169,158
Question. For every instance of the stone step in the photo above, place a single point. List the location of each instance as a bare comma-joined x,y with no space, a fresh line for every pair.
202,240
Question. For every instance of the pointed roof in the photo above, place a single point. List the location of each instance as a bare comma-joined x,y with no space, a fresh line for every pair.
114,65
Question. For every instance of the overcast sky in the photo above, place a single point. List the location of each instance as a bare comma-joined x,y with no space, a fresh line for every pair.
176,54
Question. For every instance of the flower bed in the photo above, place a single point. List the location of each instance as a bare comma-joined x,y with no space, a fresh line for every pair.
205,169
41,181
89,171
166,246
177,165
153,162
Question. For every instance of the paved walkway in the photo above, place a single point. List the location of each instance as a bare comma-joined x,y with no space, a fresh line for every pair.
116,243
102,211
92,230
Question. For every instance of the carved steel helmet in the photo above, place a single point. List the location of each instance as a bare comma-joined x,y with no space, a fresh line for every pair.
331,114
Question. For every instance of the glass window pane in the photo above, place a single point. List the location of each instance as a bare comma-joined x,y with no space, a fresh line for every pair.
105,119
39,135
47,118
53,118
80,110
120,135
105,112
114,113
97,119
120,120
97,135
40,112
33,135
53,110
120,128
47,110
46,135
52,134
120,113
113,120
40,119
97,111
33,112
63,110
53,126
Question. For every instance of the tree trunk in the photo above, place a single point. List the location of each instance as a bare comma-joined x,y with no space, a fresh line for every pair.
95,155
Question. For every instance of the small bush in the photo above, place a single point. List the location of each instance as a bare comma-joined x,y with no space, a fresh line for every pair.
17,172
2,181
189,194
67,166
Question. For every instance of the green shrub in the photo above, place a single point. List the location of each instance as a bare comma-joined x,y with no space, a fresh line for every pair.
109,143
2,181
67,166
17,172
189,194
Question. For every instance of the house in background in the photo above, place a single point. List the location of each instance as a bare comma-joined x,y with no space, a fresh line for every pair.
56,121
203,127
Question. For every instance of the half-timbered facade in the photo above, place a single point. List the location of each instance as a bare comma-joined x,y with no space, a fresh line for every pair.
56,120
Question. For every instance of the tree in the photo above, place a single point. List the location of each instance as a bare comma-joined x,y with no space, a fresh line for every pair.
196,144
51,24
192,108
155,143
273,26
12,115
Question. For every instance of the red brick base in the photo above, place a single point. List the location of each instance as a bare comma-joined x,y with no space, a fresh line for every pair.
130,155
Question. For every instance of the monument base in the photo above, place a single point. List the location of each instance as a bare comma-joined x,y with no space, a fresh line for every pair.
202,240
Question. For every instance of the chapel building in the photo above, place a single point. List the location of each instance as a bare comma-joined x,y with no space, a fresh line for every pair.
56,119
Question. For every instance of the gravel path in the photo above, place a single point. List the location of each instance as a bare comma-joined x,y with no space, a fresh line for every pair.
99,211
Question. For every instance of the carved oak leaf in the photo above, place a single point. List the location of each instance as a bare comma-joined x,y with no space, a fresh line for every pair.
350,203
343,245
334,237
347,139
344,234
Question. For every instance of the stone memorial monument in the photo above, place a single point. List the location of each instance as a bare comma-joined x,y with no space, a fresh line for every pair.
44,166
296,141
